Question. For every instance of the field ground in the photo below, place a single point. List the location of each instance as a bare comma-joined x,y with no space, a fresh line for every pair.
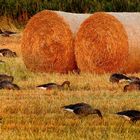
32,114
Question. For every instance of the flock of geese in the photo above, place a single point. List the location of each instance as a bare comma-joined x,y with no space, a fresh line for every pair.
82,109
133,81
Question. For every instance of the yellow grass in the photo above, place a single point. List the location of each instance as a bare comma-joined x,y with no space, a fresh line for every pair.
31,114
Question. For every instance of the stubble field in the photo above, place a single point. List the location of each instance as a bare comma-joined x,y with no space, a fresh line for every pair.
30,113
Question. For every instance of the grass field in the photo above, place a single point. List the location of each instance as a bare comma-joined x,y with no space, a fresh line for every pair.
33,114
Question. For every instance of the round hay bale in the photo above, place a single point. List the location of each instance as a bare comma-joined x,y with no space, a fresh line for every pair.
131,24
47,44
101,44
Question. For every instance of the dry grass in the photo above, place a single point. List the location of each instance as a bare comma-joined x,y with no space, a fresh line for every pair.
35,114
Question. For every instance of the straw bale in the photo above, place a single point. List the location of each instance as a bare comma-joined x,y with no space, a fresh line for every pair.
47,44
131,23
101,44
105,42
114,36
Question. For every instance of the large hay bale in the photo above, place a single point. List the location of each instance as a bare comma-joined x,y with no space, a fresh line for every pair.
47,44
109,42
131,23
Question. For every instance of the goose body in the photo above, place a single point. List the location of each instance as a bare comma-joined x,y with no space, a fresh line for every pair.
131,115
116,77
4,77
8,85
73,107
82,109
7,53
6,33
48,86
9,32
54,85
131,87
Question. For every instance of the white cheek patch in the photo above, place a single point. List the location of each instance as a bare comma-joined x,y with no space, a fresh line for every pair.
42,88
126,117
70,110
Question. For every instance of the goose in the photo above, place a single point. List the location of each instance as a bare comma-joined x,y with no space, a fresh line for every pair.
8,85
54,85
131,87
7,53
82,109
4,77
130,115
9,32
117,77
6,33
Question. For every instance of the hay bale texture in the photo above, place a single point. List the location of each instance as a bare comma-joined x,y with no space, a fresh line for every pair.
73,19
104,42
47,44
131,23
109,42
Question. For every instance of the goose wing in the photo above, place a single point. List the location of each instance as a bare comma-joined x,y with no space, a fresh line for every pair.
47,85
83,110
119,76
73,106
129,113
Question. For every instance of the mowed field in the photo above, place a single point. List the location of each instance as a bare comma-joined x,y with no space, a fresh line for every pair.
33,114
